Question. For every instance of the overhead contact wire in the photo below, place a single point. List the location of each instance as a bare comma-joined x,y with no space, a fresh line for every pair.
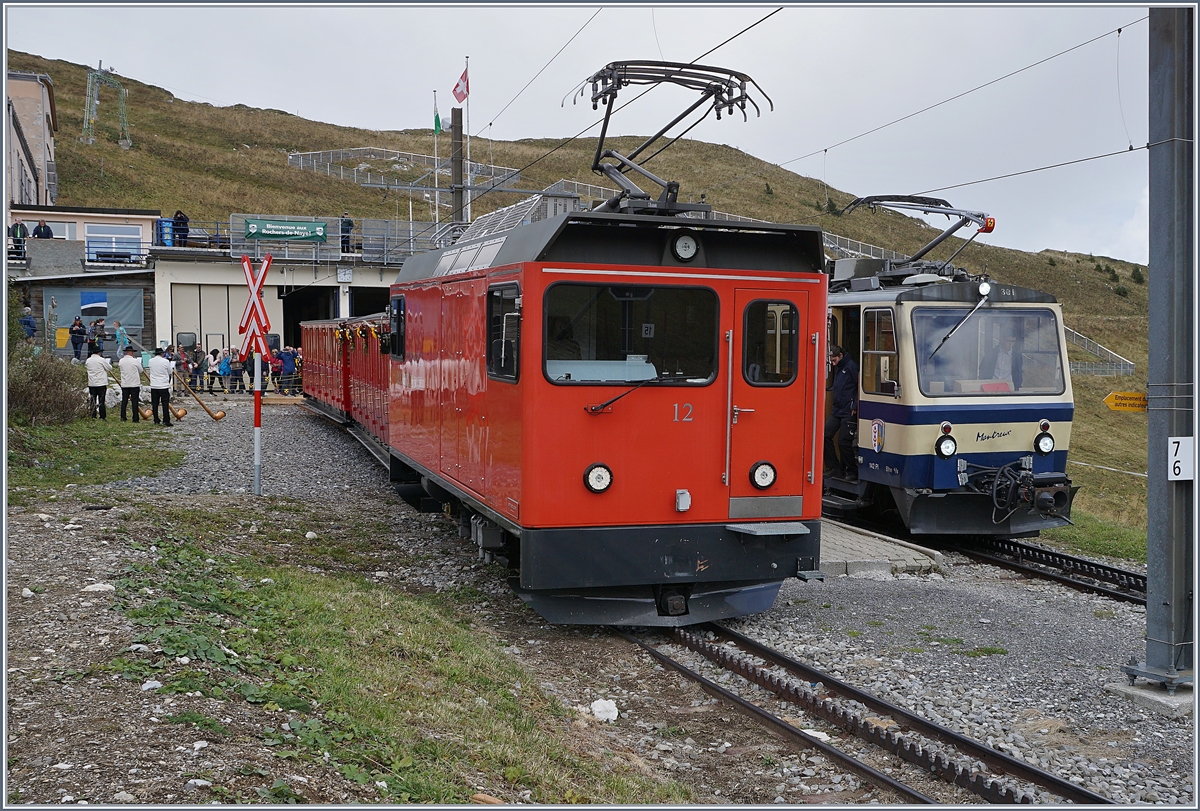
537,160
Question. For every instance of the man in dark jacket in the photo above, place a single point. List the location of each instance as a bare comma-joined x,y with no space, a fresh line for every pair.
19,232
1003,361
347,225
844,398
43,231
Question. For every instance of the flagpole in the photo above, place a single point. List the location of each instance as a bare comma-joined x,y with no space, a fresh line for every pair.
467,73
436,193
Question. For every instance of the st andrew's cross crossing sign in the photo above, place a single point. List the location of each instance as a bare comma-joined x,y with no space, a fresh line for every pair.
254,322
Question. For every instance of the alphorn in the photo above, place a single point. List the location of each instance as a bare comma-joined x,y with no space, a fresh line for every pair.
220,415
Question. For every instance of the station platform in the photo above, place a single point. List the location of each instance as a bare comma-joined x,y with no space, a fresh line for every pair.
847,550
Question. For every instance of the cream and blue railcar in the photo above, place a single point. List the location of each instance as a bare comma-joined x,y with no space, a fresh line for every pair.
955,430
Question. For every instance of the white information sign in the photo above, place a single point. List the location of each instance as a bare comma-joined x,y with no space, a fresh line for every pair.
1181,459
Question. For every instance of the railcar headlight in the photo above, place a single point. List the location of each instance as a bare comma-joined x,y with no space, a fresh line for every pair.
1043,443
598,478
762,475
984,289
945,447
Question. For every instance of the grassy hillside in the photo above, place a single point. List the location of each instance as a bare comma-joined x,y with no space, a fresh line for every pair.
214,161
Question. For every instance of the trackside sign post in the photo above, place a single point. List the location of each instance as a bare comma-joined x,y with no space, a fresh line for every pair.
255,325
1126,401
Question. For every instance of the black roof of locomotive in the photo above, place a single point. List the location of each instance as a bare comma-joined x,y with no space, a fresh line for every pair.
630,239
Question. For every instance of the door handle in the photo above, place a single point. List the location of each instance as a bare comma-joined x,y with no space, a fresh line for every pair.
737,411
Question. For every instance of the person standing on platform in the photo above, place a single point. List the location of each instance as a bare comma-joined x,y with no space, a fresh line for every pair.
98,368
131,380
20,232
42,231
347,226
179,228
160,387
122,339
840,423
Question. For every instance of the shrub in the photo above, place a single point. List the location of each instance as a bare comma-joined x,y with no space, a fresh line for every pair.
1112,276
1051,261
1137,276
16,333
1121,290
43,389
769,189
831,208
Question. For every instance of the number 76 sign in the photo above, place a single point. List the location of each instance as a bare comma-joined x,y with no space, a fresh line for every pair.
1181,458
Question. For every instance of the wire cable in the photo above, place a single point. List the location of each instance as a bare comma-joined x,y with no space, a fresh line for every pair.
539,73
934,106
537,160
1120,104
1044,168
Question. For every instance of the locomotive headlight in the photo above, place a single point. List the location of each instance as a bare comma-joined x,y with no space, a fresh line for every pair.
1043,443
762,475
984,289
945,447
598,478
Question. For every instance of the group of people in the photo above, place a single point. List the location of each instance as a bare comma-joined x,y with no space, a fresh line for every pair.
159,371
19,232
93,336
225,370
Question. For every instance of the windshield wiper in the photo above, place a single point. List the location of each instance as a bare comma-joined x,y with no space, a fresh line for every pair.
954,329
596,409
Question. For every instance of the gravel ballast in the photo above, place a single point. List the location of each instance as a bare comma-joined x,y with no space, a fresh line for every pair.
1018,664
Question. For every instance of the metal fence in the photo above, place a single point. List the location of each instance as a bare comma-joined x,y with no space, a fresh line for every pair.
1114,364
328,163
852,248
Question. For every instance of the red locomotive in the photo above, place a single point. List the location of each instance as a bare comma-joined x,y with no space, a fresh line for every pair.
624,405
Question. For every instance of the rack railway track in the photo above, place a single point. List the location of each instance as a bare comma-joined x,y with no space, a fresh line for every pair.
917,741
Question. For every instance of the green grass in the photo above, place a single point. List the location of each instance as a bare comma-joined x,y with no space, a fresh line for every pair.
396,687
1092,535
85,452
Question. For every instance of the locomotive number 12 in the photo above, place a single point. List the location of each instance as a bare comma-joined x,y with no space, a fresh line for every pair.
687,413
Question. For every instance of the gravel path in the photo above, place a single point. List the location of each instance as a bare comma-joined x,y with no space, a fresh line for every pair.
1019,664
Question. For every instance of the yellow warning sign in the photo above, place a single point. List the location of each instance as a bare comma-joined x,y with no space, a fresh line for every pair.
1126,401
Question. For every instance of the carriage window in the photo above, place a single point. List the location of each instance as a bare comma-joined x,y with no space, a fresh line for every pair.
397,328
504,331
769,345
880,361
995,352
629,334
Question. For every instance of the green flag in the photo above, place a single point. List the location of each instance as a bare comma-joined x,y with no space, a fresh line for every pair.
437,121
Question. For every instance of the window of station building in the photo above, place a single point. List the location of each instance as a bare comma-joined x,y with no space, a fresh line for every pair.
109,242
597,334
504,332
769,343
880,361
397,327
1005,351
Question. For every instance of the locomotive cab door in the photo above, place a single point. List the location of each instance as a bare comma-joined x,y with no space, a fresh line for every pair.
774,367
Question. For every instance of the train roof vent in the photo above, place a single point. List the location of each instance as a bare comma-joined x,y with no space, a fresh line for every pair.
503,219
924,278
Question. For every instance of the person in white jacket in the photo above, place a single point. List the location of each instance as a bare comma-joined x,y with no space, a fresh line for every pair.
98,368
131,381
160,387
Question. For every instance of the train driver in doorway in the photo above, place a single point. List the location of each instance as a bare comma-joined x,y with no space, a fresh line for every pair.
1003,361
841,419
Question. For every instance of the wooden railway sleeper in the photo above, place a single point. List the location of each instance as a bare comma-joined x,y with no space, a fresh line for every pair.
931,759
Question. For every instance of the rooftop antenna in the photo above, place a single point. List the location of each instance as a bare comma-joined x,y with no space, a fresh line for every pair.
91,101
727,90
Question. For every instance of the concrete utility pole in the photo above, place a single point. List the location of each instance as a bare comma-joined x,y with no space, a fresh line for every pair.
1170,502
456,162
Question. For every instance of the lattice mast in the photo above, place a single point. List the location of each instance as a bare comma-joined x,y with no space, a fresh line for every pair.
95,79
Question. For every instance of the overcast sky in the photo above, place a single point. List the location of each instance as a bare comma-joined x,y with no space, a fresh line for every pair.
833,74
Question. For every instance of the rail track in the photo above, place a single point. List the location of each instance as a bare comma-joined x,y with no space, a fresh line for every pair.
933,749
1035,561
1078,573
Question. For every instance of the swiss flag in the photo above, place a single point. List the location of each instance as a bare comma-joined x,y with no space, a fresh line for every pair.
462,89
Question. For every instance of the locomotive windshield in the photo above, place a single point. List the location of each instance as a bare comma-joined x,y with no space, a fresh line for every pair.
997,352
630,333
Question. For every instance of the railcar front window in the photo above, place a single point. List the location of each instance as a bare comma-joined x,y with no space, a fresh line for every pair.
629,334
770,347
997,352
